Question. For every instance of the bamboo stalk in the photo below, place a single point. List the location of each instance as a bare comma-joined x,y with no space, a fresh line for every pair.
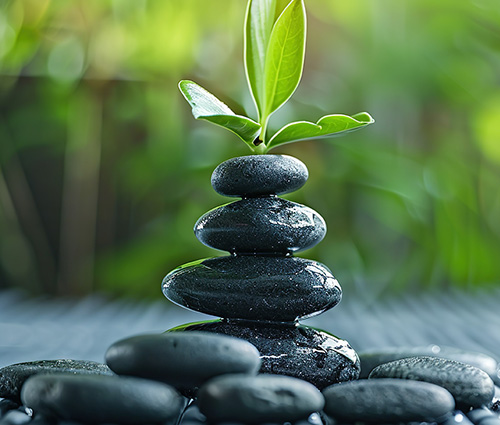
80,193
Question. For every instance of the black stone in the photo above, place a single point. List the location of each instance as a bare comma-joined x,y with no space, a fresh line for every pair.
387,401
258,399
298,351
45,420
493,420
268,225
183,360
6,405
13,377
247,287
259,175
470,386
102,399
478,416
193,414
372,358
15,417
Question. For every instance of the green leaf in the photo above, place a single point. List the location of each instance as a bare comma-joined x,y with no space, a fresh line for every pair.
327,126
280,6
207,107
258,26
285,56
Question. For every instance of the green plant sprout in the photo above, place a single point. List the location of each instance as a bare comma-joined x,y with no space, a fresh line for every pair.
274,49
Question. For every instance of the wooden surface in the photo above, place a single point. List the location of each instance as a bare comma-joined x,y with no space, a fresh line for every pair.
35,329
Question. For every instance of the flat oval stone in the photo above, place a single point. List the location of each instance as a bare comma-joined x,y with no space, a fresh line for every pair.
298,351
279,289
258,399
268,225
102,399
257,175
13,377
372,358
387,401
261,225
183,360
470,386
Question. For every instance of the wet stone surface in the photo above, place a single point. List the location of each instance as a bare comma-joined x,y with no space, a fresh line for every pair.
102,399
261,225
375,357
298,351
258,399
387,401
260,288
257,175
13,377
470,386
182,360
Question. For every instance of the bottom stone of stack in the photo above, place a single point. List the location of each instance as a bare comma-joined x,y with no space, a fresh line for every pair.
294,350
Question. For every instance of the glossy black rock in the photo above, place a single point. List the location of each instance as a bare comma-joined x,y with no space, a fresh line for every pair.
258,399
260,288
387,401
7,405
183,360
299,351
258,175
470,386
261,225
13,377
102,399
375,357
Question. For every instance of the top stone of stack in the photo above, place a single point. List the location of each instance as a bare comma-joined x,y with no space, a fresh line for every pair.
259,175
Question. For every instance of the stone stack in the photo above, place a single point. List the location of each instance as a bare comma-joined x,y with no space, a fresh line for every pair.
261,290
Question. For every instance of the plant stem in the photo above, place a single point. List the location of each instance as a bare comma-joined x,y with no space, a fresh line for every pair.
260,149
264,123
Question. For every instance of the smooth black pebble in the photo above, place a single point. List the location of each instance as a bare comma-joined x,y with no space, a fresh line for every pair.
482,416
267,225
13,377
387,401
257,175
370,359
470,386
258,399
183,360
288,349
280,289
102,399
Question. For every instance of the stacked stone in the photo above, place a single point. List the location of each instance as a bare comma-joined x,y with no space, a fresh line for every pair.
261,290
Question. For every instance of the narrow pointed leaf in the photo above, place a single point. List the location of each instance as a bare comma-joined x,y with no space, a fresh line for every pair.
206,106
285,56
327,126
280,6
258,26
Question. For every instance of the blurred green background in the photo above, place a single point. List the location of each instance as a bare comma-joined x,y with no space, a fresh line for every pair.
103,170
